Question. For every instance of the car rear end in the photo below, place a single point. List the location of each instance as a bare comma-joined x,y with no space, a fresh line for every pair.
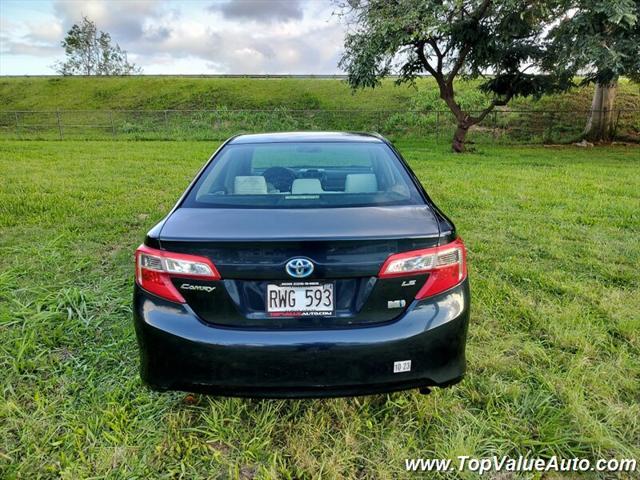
363,294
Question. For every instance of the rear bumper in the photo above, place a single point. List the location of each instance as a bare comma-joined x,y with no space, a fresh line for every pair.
180,352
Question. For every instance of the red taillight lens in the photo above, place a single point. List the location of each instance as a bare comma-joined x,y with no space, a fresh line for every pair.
446,266
154,269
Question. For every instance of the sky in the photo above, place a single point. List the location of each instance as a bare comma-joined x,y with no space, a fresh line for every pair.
180,37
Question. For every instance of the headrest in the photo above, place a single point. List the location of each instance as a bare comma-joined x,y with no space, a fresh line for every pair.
250,185
306,185
361,183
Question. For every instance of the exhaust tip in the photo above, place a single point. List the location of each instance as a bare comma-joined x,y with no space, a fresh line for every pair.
424,390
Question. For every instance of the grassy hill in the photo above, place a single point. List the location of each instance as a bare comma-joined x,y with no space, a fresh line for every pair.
151,93
195,93
131,107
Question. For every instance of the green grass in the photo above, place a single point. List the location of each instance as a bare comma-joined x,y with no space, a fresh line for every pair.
158,93
149,93
99,108
553,349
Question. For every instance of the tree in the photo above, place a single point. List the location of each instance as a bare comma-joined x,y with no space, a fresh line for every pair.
452,38
90,52
600,39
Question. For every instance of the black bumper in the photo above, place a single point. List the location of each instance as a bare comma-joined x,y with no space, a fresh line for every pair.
180,352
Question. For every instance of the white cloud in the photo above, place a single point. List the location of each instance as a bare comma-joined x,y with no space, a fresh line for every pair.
293,36
31,38
45,32
124,20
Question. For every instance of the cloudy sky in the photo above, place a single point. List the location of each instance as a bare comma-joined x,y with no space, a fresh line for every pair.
180,37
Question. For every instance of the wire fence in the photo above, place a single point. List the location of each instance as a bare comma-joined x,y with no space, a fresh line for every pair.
500,126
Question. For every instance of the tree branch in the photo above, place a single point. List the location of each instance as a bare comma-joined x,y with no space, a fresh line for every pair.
435,73
438,53
446,89
482,9
459,62
462,56
499,102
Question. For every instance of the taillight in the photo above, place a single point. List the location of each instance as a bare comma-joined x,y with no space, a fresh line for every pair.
154,269
446,266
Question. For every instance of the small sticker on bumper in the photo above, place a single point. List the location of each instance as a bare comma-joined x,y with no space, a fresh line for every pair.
403,366
396,304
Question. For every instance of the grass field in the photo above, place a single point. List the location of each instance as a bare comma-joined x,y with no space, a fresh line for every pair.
159,93
554,342
171,108
148,93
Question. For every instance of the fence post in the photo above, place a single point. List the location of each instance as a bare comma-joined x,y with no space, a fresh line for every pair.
17,124
59,124
550,131
113,127
437,126
166,125
614,133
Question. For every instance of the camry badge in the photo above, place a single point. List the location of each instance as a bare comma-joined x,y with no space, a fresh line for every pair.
202,288
299,267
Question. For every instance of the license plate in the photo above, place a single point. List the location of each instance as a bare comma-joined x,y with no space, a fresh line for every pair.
300,299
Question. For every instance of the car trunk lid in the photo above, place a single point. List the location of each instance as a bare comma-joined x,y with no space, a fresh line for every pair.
347,246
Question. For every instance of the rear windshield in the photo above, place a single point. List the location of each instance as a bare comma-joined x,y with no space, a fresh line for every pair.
299,175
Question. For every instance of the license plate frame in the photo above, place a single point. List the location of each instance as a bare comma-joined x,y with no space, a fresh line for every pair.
306,311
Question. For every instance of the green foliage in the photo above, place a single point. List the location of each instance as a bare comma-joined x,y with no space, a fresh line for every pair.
445,39
527,85
90,52
449,39
553,349
600,38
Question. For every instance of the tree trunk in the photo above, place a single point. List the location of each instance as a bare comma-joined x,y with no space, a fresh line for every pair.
600,124
459,136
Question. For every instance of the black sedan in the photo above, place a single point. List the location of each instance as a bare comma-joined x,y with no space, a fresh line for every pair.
302,265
